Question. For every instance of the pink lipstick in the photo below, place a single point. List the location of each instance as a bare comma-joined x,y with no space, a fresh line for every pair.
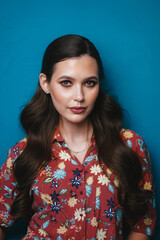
77,110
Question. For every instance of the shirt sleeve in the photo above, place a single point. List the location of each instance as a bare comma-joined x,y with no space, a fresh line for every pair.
146,224
7,185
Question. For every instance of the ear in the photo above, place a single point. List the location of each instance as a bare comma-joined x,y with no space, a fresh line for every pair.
44,83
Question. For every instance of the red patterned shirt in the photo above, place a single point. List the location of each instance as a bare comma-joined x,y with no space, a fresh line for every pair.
76,200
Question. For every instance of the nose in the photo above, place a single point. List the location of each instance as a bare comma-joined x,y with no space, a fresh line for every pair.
78,94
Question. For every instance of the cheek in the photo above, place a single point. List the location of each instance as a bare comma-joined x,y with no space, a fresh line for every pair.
94,96
58,97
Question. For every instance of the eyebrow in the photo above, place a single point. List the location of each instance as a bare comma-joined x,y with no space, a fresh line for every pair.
69,78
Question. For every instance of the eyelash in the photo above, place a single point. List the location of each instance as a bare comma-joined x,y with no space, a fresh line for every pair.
89,83
66,83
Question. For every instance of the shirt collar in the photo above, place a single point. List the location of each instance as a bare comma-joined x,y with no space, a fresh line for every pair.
57,136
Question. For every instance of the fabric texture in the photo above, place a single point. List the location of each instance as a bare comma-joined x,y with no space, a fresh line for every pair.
76,200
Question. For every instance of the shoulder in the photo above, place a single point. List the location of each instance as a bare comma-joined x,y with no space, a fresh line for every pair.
134,141
17,149
12,154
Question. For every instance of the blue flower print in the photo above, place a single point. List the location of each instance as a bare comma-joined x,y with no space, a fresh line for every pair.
16,150
47,168
129,143
40,209
148,231
7,189
97,202
6,177
88,190
59,237
110,203
54,184
7,195
59,174
55,207
154,203
36,190
35,181
119,215
141,144
77,172
75,182
109,213
54,196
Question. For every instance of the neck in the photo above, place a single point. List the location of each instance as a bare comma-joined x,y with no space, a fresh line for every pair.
76,133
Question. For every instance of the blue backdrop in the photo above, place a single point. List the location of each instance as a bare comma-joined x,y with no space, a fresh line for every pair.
127,34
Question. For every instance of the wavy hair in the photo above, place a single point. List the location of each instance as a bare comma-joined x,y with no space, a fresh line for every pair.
39,119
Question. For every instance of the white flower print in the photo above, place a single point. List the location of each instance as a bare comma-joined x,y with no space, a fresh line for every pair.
101,235
96,169
79,214
103,179
64,155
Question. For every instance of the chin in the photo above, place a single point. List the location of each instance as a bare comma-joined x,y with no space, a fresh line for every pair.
77,119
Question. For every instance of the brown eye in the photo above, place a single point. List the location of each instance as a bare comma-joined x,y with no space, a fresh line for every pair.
66,83
90,83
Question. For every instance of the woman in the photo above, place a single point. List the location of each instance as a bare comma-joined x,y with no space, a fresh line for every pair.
78,174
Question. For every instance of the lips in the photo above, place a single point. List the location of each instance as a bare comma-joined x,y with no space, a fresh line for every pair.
77,110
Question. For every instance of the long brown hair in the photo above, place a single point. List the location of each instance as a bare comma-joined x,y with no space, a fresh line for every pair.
39,119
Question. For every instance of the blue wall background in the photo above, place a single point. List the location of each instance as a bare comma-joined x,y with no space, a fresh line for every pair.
127,34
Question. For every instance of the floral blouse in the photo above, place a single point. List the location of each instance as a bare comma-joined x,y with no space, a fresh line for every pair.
74,200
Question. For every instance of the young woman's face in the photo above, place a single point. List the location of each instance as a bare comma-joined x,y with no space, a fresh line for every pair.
74,88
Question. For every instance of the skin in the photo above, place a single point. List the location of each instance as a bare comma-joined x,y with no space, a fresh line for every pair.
137,236
75,83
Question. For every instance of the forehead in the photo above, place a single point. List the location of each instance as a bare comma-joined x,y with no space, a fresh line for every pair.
83,64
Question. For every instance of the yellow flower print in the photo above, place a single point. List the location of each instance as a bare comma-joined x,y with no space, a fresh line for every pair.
72,202
24,140
48,173
62,230
147,221
89,180
116,182
4,219
46,198
61,165
98,191
9,162
64,155
109,172
42,232
94,222
30,233
128,134
147,186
